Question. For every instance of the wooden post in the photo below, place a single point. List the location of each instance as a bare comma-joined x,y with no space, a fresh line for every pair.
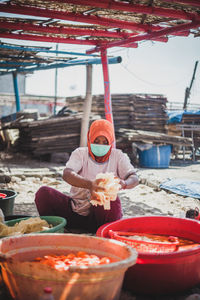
107,95
56,84
86,107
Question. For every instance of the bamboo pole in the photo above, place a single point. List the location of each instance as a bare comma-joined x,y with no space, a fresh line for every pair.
86,107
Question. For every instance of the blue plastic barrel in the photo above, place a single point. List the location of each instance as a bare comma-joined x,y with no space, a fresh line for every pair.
155,157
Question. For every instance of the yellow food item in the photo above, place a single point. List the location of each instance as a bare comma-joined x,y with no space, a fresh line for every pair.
111,185
25,226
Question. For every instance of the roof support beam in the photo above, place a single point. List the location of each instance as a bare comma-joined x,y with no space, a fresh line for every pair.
48,39
163,32
61,30
135,8
13,9
40,49
75,17
57,30
51,39
107,95
93,61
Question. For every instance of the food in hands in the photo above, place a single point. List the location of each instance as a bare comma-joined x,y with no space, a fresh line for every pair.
111,186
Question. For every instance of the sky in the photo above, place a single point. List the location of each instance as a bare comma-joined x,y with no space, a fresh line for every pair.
152,68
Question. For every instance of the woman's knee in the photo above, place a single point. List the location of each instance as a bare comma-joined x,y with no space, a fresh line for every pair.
42,193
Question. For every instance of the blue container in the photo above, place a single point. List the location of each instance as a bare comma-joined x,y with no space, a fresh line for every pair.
155,157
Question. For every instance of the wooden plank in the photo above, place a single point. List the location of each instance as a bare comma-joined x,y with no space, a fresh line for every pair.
139,135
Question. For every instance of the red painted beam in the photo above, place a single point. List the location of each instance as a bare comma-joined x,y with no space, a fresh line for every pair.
49,39
183,33
135,8
52,39
149,36
61,30
160,39
107,95
75,17
89,19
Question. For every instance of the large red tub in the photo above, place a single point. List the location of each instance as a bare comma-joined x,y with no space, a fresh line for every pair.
161,273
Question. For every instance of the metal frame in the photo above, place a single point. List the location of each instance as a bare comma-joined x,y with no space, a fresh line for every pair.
191,129
102,24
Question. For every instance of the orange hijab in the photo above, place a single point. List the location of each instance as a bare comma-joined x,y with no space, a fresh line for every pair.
100,128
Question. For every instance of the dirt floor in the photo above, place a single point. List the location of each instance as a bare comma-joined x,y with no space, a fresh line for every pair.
27,175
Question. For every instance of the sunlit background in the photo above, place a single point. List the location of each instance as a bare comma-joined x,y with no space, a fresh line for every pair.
153,67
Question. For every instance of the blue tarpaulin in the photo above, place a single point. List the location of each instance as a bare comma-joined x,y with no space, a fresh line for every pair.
176,116
184,187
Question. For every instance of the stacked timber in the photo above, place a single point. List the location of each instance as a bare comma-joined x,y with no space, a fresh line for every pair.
120,107
192,119
75,103
148,112
125,136
53,135
136,111
173,130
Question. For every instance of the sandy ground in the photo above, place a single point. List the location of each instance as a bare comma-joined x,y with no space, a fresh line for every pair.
147,198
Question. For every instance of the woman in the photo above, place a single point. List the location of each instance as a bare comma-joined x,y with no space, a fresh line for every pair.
80,172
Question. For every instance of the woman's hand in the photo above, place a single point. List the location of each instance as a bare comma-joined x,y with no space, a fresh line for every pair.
130,182
95,188
123,184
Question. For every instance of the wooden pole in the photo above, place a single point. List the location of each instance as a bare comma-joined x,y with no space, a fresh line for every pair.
107,95
188,89
56,85
86,107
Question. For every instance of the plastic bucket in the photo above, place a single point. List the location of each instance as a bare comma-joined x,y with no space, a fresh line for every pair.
161,273
7,203
57,223
155,157
14,217
26,280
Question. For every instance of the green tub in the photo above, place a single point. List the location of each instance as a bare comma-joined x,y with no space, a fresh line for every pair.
58,223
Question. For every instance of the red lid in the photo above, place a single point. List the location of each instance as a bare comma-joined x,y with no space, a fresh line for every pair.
48,290
2,195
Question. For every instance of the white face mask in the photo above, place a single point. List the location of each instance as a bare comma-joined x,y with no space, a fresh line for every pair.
100,150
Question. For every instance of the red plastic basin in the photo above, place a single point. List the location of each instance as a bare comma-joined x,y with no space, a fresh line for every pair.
161,273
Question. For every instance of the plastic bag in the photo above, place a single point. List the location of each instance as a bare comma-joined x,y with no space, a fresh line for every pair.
111,185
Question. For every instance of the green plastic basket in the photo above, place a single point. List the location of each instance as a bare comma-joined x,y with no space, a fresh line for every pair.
58,223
